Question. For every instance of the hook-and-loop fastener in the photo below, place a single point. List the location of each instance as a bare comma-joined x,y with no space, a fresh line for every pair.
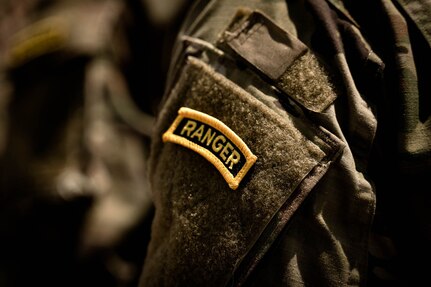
281,57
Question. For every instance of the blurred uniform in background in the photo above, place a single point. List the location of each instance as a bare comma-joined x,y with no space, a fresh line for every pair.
78,82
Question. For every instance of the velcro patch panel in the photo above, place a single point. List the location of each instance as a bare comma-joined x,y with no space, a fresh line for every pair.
281,57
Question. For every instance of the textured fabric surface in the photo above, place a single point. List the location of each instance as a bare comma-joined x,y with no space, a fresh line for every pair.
262,43
281,57
322,240
202,228
307,82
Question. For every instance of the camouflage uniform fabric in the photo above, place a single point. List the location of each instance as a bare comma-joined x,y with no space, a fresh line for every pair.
331,98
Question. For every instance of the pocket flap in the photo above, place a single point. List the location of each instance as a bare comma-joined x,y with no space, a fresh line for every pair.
281,57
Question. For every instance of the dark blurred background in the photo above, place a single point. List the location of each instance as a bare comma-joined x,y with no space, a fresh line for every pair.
80,83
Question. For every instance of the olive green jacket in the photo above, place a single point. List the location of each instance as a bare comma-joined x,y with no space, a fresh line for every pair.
285,126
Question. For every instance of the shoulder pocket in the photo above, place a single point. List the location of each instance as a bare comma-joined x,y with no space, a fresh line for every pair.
205,232
281,58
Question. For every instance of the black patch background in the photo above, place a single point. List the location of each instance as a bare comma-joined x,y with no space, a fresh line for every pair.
236,168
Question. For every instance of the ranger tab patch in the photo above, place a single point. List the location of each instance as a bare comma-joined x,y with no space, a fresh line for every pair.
213,140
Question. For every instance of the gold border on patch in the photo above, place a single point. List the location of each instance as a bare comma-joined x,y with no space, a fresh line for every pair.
207,150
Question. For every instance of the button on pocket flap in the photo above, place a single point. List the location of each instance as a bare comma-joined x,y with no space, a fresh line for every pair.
202,227
281,57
